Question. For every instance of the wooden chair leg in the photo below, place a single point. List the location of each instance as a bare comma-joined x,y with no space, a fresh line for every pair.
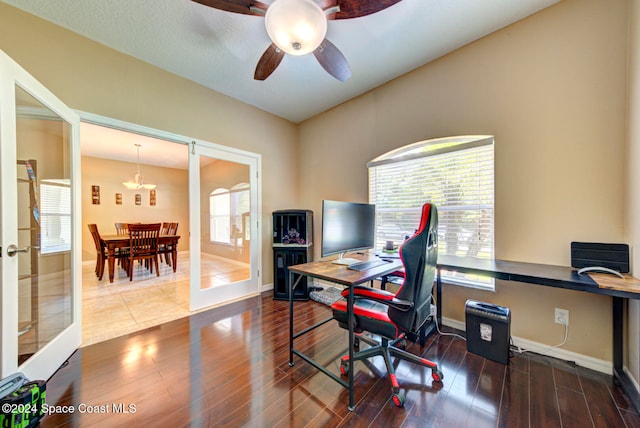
100,268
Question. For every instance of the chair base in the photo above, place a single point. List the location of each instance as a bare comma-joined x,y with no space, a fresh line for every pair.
388,349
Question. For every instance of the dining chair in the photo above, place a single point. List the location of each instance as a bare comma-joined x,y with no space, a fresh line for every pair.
122,228
100,250
121,254
164,230
143,245
167,249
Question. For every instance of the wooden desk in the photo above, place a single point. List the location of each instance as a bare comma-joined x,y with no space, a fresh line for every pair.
340,275
112,242
559,277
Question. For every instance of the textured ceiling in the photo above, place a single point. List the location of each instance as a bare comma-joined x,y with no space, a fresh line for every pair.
220,49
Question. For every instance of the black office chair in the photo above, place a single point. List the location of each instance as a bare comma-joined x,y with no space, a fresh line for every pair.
395,317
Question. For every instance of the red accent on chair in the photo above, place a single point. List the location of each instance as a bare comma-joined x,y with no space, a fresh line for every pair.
395,317
370,293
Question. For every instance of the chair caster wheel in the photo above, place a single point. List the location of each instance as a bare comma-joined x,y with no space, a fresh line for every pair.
398,399
437,375
344,368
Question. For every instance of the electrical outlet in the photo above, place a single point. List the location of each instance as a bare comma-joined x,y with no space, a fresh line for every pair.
434,310
561,316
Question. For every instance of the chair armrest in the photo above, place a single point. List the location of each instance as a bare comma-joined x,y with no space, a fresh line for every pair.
381,296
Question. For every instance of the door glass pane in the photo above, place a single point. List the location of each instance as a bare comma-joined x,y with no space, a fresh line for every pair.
44,225
225,222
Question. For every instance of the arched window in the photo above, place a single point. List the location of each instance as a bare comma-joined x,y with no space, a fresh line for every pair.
226,209
457,175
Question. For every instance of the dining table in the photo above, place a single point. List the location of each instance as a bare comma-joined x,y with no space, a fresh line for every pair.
113,242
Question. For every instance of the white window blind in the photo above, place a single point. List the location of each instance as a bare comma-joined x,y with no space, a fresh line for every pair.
455,174
55,216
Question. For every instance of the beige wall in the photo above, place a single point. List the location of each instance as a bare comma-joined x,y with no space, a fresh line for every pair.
551,89
172,199
90,77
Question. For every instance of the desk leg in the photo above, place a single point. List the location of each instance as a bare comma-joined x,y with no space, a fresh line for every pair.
292,286
350,323
439,297
619,376
618,305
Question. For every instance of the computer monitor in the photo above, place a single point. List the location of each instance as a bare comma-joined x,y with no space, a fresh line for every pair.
347,226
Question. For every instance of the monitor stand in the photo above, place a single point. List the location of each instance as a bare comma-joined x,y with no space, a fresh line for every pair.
345,260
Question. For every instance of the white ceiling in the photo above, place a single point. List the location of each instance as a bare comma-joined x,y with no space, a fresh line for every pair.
220,50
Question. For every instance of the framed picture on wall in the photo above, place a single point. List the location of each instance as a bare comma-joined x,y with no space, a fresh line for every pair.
118,198
152,197
138,199
95,194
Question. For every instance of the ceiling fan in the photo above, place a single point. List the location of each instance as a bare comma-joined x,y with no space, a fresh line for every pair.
299,27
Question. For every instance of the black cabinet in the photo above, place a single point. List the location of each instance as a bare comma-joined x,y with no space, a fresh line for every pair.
292,245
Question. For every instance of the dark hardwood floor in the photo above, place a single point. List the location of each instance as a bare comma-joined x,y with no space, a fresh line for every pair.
229,367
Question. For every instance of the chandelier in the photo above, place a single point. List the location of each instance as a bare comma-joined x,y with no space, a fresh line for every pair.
138,179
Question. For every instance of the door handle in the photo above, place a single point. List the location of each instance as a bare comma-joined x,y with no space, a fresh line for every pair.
12,250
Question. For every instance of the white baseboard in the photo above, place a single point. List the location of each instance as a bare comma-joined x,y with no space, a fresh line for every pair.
602,366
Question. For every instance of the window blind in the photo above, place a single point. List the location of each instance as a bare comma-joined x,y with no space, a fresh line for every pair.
458,177
55,216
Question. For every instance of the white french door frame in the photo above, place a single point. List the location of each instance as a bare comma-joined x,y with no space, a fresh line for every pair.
52,355
202,298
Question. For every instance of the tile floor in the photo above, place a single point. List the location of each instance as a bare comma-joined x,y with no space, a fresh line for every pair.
122,307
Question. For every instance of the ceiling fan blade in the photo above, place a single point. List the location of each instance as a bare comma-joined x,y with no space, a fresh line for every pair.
269,61
246,7
355,8
332,60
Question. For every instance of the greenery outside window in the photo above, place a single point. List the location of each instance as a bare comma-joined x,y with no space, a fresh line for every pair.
457,175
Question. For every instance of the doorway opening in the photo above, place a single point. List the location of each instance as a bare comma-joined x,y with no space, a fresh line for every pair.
108,154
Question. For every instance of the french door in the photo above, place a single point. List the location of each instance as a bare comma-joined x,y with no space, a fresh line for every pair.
41,320
224,219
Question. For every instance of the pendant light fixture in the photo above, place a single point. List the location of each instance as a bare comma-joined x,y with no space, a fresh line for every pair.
138,179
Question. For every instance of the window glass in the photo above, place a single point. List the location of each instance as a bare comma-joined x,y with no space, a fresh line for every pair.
219,212
457,175
55,216
226,208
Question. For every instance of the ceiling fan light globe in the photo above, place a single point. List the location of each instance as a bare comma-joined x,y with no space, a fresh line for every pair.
296,26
